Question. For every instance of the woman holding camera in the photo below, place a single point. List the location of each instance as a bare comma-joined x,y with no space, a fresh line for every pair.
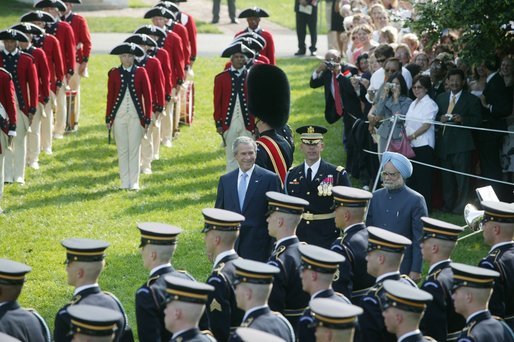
422,136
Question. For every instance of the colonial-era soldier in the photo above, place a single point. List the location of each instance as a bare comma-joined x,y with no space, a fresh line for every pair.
93,323
255,43
253,17
335,319
189,22
7,120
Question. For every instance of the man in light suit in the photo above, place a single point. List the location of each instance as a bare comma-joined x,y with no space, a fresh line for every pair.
244,191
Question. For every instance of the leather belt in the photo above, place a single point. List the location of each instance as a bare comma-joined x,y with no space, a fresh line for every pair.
315,217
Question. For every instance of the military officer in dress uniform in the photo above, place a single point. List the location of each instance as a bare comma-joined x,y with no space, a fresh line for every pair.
84,264
385,253
221,230
7,121
403,308
158,244
498,231
91,323
129,111
253,286
287,296
253,17
318,268
334,321
23,324
472,288
185,304
352,279
440,320
313,180
24,75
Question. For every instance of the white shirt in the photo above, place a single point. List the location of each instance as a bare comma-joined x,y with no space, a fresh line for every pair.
249,173
11,53
84,287
425,109
237,71
404,336
156,268
314,167
377,79
221,256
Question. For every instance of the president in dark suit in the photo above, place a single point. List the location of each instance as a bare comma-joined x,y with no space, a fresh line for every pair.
244,191
454,145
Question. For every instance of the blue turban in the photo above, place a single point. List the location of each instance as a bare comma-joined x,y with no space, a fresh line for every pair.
400,162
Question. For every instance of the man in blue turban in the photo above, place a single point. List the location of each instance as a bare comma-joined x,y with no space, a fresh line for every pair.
399,209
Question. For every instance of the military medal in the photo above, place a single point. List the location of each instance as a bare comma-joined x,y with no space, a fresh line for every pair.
325,187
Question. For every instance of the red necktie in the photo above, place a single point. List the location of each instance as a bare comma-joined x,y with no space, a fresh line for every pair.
337,96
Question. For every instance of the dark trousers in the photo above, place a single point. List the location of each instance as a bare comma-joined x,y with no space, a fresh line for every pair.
456,187
489,152
421,179
216,9
302,22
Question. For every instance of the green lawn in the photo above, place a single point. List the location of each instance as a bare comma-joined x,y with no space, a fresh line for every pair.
74,193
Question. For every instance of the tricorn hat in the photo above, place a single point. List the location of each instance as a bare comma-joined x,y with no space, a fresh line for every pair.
160,12
11,34
251,43
151,30
51,3
168,5
141,39
128,48
28,28
37,16
253,12
237,47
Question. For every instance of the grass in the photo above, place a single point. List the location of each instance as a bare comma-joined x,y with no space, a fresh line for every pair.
74,193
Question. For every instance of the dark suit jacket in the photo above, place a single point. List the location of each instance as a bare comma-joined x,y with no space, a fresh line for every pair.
457,140
253,242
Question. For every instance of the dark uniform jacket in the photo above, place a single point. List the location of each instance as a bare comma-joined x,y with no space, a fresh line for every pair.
192,335
149,310
91,296
222,310
25,325
264,319
306,328
501,259
316,232
287,295
264,159
417,338
352,278
440,320
485,328
371,322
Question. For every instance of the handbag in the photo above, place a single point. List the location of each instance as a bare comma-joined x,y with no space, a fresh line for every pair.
402,145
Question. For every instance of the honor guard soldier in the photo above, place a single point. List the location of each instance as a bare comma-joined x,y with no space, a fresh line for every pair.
231,115
352,279
64,34
385,253
440,320
93,323
158,244
43,75
498,231
287,296
221,230
254,335
313,180
184,305
129,111
24,75
319,265
253,17
7,121
403,308
83,45
472,288
334,321
253,286
23,324
52,49
257,43
269,101
156,77
84,264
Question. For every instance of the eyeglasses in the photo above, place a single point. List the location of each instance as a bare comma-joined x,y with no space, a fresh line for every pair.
390,174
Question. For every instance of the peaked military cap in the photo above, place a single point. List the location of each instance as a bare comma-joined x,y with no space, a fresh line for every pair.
333,314
28,28
253,12
384,240
405,297
186,290
37,16
84,249
278,201
141,39
51,3
11,34
93,320
250,43
311,135
498,211
168,5
320,259
151,30
221,219
7,338
254,335
130,48
345,196
472,276
252,35
12,272
159,12
237,47
254,272
433,228
155,233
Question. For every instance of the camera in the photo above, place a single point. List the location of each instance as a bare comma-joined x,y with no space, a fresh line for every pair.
390,86
331,65
449,117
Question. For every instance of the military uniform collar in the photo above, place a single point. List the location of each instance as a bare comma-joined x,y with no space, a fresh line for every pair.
166,267
14,53
354,227
287,241
326,293
388,275
185,335
86,287
439,265
314,167
238,72
478,316
501,244
409,334
222,255
256,311
10,305
257,30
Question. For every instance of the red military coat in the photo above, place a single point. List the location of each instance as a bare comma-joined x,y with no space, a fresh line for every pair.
64,34
82,36
8,102
43,72
269,49
163,57
52,49
188,21
173,45
143,92
26,75
180,29
156,78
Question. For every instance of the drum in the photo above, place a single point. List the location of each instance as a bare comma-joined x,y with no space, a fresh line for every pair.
187,106
71,110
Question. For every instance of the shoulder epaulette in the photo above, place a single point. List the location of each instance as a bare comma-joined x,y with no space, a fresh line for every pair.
27,54
339,168
280,250
218,269
187,274
208,334
151,280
